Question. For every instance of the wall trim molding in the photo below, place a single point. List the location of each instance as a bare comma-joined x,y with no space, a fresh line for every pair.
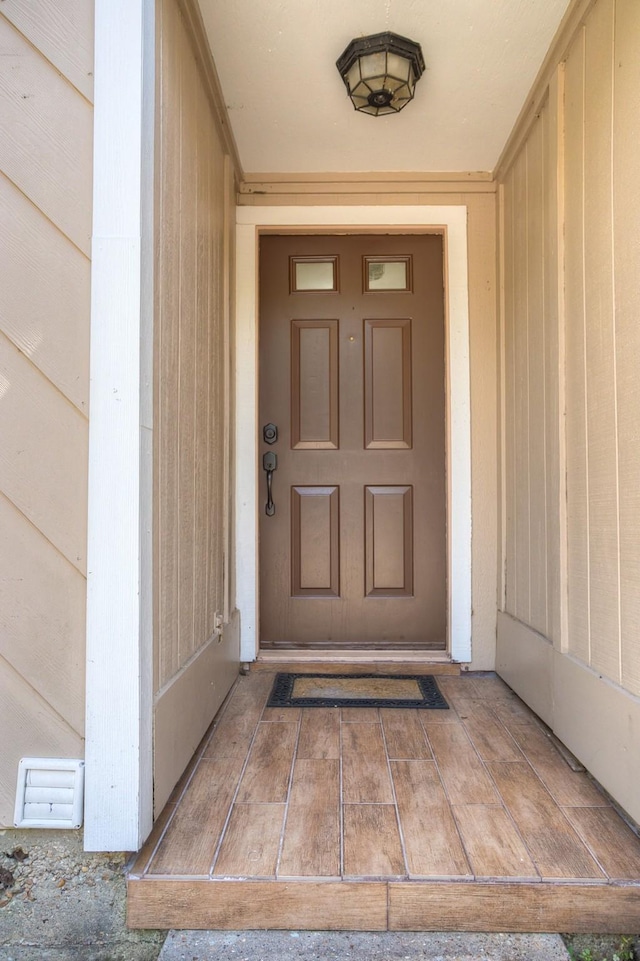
393,186
451,221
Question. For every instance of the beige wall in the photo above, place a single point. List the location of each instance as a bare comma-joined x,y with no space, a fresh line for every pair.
478,194
194,667
571,341
45,209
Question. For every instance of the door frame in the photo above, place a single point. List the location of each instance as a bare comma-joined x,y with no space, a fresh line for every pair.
451,222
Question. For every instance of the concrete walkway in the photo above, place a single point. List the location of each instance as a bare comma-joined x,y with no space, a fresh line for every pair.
359,946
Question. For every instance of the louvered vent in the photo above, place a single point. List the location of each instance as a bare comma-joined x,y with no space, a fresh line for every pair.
50,793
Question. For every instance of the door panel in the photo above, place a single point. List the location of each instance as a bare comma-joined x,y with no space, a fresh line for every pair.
314,384
387,384
315,560
389,541
352,373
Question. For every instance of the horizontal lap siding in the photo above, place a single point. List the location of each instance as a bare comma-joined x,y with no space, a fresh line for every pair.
46,128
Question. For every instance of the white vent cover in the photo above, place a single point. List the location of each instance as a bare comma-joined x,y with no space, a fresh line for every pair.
50,793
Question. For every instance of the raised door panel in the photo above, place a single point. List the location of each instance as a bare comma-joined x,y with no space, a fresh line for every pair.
389,541
314,384
387,384
315,550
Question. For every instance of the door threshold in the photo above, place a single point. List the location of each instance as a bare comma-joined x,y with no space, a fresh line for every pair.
333,661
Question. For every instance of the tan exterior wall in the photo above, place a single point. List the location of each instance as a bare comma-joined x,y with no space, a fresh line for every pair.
46,124
478,194
194,665
571,341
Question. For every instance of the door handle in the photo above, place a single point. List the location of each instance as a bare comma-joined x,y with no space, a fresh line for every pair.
270,464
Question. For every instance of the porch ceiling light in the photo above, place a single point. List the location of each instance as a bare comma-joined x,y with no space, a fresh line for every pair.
380,72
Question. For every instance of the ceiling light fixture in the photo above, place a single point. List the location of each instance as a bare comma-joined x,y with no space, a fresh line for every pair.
380,72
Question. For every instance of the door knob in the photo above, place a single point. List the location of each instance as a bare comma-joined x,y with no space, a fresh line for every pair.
270,433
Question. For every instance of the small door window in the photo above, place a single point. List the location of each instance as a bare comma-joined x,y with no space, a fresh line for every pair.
387,273
313,273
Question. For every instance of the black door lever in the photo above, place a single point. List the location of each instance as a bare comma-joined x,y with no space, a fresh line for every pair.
269,464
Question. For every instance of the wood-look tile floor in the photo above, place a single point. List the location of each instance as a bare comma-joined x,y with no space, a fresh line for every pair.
475,794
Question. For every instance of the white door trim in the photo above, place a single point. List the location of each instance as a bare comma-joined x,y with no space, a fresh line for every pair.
118,779
452,222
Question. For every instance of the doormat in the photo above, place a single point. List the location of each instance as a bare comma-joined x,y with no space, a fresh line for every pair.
356,690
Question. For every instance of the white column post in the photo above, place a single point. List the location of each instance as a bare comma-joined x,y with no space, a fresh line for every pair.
119,797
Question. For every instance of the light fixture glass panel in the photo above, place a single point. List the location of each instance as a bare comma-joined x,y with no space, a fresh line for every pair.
373,65
315,275
353,77
387,275
398,66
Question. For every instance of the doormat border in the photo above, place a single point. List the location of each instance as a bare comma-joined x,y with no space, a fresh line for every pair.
432,699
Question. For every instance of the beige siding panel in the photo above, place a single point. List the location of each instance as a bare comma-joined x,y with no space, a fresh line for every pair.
45,137
30,728
42,616
201,571
537,400
45,298
509,388
43,456
600,345
484,401
521,386
187,385
194,667
551,359
168,344
576,427
62,32
627,301
190,306
219,313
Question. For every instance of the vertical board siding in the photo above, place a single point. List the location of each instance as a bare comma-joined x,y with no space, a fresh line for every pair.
190,355
46,127
600,343
599,208
579,638
626,218
530,387
509,453
550,312
537,399
521,383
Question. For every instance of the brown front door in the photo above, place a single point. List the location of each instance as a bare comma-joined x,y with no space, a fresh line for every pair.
353,553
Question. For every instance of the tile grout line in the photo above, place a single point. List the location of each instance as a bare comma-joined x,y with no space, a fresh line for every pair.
395,801
294,758
341,799
223,832
446,794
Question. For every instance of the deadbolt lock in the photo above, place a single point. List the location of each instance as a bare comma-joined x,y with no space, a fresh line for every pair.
270,433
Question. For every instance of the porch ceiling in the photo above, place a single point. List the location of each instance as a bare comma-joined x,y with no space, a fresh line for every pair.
288,106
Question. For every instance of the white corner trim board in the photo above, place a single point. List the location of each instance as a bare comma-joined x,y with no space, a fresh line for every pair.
118,778
452,222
